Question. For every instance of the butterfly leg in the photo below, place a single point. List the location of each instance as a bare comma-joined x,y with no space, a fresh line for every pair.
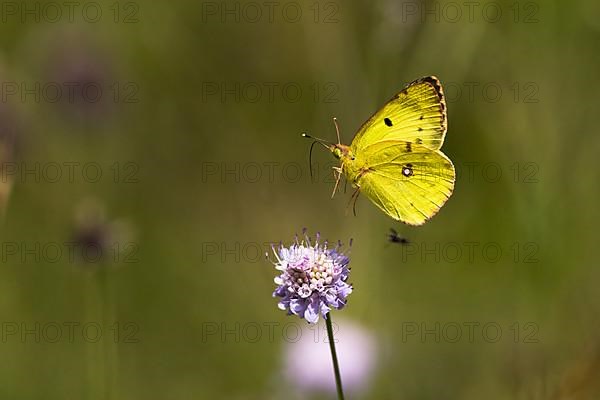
354,197
337,180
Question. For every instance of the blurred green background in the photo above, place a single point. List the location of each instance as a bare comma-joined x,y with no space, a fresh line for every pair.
191,113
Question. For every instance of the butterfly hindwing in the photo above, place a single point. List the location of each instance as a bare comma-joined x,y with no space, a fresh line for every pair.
407,181
417,114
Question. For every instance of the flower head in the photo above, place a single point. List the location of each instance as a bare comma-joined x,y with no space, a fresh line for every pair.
99,240
313,278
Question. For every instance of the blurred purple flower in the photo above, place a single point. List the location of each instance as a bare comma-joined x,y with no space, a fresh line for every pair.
75,70
312,280
86,69
10,137
99,241
307,363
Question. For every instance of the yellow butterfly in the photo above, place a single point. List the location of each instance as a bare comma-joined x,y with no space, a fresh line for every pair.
395,157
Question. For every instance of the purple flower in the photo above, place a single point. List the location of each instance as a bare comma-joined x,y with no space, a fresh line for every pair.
312,280
99,241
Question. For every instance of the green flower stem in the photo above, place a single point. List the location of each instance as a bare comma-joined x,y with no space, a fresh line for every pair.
109,346
102,355
94,359
336,367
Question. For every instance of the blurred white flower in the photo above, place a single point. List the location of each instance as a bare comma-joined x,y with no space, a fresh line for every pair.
308,366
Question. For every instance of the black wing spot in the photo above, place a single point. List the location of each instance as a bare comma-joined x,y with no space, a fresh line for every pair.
407,170
420,129
419,141
408,147
388,121
421,117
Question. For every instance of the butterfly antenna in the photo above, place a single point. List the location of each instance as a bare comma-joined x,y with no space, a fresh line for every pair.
310,159
322,142
337,129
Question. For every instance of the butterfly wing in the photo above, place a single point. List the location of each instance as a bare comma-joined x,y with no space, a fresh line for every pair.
417,114
409,182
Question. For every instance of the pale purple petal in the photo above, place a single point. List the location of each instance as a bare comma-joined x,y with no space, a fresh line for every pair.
312,311
298,306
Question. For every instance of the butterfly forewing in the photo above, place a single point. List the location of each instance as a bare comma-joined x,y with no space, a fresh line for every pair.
417,114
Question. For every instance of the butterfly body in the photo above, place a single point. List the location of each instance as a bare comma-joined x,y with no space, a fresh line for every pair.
395,158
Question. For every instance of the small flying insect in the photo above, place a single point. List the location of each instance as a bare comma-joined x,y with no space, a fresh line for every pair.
394,238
